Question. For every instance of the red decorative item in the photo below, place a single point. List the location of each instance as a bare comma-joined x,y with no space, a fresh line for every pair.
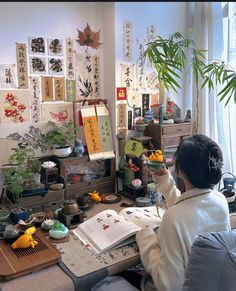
121,93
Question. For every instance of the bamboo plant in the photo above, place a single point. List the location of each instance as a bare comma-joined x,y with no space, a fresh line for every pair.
172,55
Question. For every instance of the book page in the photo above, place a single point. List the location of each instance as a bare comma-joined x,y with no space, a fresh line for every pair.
107,228
143,216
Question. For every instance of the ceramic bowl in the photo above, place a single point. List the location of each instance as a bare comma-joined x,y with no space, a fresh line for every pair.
155,165
58,234
4,215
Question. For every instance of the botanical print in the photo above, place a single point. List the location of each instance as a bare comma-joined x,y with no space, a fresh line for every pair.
14,106
55,47
35,100
57,112
84,74
8,76
22,66
37,65
105,131
122,116
70,90
127,41
47,88
92,134
59,89
36,45
70,59
34,138
55,66
128,76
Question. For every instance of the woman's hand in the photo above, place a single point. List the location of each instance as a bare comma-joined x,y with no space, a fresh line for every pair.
156,175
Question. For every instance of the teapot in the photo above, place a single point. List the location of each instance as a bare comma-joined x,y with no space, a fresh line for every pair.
70,207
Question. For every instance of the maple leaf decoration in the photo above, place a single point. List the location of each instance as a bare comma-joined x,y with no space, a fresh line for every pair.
88,37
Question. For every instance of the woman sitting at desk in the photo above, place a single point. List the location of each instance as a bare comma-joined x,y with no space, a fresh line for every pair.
199,210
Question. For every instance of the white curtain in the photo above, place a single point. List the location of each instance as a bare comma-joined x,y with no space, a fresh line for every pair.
205,19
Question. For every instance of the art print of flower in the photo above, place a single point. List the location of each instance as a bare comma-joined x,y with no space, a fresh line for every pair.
14,109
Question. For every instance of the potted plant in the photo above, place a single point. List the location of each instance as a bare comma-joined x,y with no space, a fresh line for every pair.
61,138
23,170
170,56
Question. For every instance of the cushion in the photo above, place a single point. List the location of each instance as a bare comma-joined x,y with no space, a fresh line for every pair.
212,263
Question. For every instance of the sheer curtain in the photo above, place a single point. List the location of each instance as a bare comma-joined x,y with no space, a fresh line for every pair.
210,32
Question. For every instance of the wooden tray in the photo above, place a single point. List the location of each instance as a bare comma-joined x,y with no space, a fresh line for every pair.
15,263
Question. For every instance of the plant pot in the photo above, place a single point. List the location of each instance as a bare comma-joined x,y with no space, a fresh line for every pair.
62,152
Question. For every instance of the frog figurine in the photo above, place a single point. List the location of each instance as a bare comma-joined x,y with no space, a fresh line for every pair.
79,148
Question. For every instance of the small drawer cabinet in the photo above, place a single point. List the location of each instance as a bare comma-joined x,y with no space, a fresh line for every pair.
168,136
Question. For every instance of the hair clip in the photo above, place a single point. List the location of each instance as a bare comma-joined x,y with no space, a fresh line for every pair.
216,164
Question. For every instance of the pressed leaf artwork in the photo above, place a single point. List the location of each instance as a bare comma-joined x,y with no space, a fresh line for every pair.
89,37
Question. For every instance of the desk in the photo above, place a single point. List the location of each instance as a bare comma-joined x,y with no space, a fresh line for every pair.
80,260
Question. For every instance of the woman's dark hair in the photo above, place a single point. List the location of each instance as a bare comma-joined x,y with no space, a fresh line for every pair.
200,159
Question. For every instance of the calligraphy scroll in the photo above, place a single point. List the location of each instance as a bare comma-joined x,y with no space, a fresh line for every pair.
55,66
37,65
14,106
70,66
35,100
36,45
152,81
57,112
47,89
128,76
55,47
59,89
122,115
127,41
91,131
130,119
70,90
8,76
105,131
141,84
96,76
22,67
145,103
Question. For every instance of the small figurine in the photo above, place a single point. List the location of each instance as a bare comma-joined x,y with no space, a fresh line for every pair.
95,196
25,241
79,148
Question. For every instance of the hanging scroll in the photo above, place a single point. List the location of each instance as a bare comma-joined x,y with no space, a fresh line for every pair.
70,90
22,67
105,131
35,99
127,41
122,115
127,76
47,89
141,82
70,65
59,89
92,135
151,34
145,103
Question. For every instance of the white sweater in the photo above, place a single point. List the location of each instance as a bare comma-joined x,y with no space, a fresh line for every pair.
165,253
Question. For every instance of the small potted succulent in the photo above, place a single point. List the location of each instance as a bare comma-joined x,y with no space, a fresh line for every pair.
61,138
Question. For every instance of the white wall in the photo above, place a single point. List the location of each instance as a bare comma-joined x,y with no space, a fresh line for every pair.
167,17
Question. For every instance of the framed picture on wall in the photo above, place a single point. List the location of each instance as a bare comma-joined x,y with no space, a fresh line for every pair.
55,47
37,65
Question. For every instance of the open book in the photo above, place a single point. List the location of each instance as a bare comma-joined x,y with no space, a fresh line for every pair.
109,229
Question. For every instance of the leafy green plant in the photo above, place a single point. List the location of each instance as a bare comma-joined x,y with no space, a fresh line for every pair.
60,135
22,165
172,55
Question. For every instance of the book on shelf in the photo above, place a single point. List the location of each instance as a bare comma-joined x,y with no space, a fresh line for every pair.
109,229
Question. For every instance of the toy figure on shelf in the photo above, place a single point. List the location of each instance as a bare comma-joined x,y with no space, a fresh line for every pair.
79,148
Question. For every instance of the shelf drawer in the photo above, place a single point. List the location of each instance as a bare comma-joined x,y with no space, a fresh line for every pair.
171,141
181,129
